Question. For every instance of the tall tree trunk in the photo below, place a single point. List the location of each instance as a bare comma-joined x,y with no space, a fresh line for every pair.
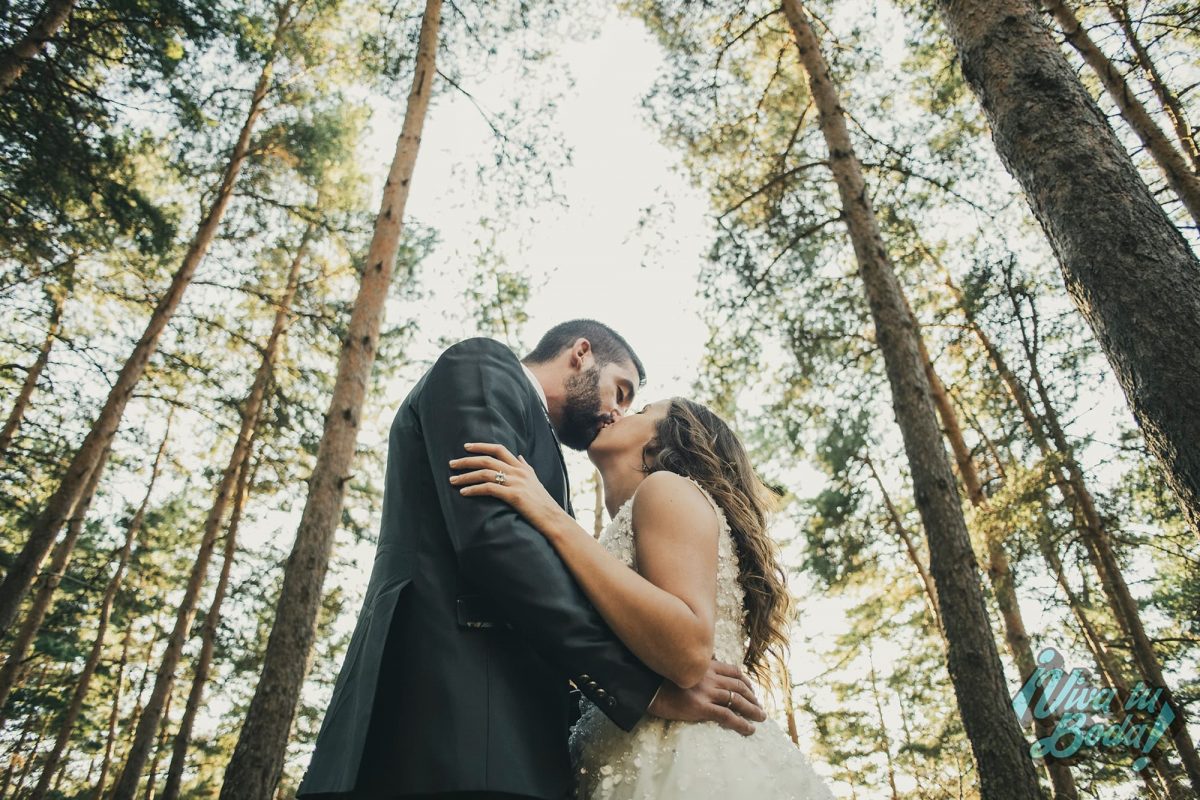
114,710
58,297
164,681
1169,100
31,623
1001,753
598,515
910,546
789,702
159,746
887,745
83,682
89,456
999,570
1125,264
15,59
257,763
208,639
1183,181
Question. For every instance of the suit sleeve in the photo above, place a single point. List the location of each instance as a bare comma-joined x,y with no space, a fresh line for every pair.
474,393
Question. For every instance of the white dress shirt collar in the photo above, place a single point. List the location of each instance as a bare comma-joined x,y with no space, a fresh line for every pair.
536,385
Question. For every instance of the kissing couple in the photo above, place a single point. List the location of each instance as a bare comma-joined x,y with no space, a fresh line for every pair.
487,598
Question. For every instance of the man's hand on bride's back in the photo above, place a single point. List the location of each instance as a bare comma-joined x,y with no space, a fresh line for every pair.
723,696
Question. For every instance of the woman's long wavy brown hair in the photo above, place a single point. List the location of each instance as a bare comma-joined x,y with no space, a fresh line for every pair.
694,442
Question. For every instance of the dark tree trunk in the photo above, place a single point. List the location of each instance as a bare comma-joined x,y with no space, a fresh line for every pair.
1125,264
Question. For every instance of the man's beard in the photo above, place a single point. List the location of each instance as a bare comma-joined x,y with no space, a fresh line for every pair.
582,419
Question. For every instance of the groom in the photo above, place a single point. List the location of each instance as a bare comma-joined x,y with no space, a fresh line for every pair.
454,684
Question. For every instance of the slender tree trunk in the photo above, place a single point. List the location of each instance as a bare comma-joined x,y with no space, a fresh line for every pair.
1184,182
257,763
1001,753
111,737
159,746
789,702
999,569
887,744
1125,264
90,454
148,724
1169,100
58,295
598,518
208,639
15,59
83,682
31,623
910,546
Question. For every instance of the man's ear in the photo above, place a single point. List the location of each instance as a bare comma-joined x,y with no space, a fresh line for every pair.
581,354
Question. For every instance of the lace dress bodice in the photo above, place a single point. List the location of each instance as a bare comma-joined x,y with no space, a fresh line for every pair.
663,759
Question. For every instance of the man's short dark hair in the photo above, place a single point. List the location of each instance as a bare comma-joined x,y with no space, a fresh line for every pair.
608,346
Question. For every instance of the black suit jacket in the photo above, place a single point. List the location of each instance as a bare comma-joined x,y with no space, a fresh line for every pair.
455,678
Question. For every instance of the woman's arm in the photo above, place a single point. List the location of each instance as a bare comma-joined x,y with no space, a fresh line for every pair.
665,614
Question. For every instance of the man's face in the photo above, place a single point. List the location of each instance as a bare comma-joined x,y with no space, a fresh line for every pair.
596,397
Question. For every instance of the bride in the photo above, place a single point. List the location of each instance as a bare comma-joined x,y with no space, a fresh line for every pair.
689,518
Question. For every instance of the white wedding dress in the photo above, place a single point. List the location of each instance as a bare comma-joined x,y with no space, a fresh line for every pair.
667,760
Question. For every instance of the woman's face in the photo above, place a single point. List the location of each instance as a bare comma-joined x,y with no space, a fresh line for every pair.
629,434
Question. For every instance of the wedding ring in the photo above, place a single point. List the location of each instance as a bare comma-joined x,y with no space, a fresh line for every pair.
730,703
500,477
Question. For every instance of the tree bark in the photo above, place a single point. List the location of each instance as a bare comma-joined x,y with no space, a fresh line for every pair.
1183,181
1001,753
15,59
148,724
1125,264
58,295
89,456
83,682
31,623
257,763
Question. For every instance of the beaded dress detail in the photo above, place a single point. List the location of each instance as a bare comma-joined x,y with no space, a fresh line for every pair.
663,759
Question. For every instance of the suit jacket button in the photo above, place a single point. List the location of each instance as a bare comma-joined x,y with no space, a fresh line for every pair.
601,694
585,678
610,701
